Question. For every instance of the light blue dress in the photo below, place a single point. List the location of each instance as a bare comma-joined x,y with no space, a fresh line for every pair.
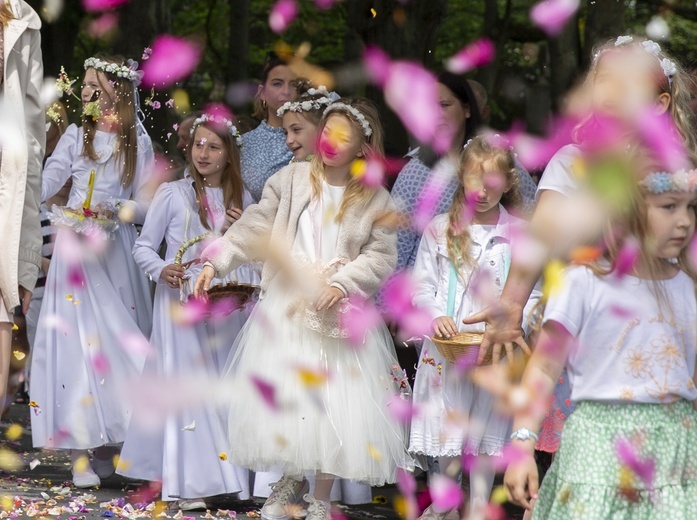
264,152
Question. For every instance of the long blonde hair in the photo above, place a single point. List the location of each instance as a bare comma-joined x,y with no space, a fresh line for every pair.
356,192
126,118
678,88
231,179
6,13
472,159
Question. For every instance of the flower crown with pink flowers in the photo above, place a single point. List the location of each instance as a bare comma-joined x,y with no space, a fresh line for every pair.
664,182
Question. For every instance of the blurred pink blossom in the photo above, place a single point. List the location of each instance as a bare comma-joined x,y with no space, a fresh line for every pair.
266,391
477,54
172,60
552,15
445,493
102,5
282,15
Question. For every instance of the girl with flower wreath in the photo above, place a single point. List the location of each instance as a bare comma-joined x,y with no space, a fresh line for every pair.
628,336
300,395
181,450
96,300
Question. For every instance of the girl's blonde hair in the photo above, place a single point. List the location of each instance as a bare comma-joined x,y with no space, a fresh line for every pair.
478,152
6,13
231,180
356,192
127,149
678,88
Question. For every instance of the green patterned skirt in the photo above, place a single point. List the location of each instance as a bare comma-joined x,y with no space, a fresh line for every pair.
653,475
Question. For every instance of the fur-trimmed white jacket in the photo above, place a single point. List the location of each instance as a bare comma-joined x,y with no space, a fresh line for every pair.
369,248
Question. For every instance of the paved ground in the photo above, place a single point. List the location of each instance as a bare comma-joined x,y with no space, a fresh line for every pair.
40,487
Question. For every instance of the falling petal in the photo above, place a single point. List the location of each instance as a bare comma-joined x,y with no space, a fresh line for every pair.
325,4
51,10
14,432
34,463
553,278
102,5
661,135
406,483
282,15
628,455
312,378
658,29
266,391
190,427
371,173
360,318
377,65
374,453
627,257
100,363
172,60
445,493
476,54
402,410
135,343
552,15
103,26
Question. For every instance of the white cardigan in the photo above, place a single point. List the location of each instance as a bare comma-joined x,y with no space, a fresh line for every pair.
23,130
369,249
433,265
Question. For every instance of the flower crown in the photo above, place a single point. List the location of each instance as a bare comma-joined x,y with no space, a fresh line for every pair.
652,48
217,120
129,71
663,182
357,115
304,106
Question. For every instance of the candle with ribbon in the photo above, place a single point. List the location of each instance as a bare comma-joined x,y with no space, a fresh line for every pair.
90,187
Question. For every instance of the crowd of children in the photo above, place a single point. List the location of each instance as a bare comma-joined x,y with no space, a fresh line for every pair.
301,389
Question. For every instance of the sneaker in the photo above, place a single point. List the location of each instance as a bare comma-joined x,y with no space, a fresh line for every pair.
103,468
191,504
317,509
286,493
86,479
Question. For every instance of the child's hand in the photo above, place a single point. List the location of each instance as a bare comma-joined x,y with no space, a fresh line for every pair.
231,216
328,297
522,481
203,282
444,327
172,275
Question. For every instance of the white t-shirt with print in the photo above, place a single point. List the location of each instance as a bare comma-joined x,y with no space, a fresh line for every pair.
558,175
628,347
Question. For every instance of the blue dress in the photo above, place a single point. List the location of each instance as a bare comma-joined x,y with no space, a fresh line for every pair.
264,152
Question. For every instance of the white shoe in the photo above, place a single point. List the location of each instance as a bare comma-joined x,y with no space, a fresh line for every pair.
287,493
103,468
191,504
317,509
86,479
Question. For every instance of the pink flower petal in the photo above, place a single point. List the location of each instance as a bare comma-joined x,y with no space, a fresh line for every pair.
406,483
100,363
172,60
445,493
552,15
627,258
266,391
477,54
377,65
361,318
103,25
135,343
401,409
325,4
397,294
662,136
102,5
628,455
282,15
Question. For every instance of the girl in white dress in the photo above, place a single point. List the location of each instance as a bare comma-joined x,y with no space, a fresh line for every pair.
95,295
461,266
182,453
300,396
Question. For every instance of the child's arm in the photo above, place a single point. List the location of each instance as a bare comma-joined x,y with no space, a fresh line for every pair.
376,261
539,379
148,243
241,241
58,167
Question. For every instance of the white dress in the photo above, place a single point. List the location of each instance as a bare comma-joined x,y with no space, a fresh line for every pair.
182,451
454,416
307,403
95,297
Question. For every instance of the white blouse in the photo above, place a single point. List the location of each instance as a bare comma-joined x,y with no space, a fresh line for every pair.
318,230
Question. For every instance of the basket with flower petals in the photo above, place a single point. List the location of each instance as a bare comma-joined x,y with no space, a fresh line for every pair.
463,344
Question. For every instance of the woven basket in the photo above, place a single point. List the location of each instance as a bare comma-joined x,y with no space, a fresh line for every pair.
241,292
460,345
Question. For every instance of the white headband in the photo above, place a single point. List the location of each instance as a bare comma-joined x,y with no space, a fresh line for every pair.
653,49
357,114
129,71
304,106
208,118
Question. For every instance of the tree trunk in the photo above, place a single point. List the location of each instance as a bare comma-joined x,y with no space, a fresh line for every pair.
565,62
238,43
58,38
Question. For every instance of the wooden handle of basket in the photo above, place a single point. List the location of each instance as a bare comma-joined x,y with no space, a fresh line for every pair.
187,244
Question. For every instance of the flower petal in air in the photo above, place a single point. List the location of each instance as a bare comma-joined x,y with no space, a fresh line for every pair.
360,318
282,15
552,15
477,54
172,60
267,392
102,5
445,493
377,65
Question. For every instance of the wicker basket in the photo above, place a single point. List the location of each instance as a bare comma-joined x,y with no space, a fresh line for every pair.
460,345
240,292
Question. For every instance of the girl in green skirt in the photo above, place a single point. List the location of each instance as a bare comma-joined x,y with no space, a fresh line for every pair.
626,331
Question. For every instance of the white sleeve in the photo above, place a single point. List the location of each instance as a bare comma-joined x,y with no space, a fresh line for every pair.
143,188
558,175
426,274
58,168
148,243
566,305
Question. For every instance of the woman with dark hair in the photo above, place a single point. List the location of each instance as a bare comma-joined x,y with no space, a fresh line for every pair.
460,118
264,149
